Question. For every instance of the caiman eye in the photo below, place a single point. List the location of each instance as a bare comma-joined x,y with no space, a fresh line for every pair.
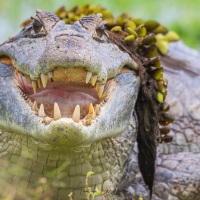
100,33
37,26
100,30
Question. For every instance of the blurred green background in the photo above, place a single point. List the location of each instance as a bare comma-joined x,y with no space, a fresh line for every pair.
183,16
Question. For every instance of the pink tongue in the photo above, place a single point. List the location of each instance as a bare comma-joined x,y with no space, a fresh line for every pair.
66,100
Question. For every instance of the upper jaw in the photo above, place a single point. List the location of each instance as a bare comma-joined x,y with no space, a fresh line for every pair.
63,46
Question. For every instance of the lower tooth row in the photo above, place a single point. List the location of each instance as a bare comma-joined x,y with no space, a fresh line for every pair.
76,114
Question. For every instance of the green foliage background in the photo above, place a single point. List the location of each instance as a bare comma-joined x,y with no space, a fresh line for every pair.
183,16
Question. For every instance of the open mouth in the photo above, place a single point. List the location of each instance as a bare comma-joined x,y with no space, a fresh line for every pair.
66,93
68,105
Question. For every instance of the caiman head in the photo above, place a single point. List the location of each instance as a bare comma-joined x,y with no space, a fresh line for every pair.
66,85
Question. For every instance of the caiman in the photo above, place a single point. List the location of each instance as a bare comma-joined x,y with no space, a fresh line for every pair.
81,104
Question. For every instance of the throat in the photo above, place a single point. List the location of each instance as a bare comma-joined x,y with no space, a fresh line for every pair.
37,165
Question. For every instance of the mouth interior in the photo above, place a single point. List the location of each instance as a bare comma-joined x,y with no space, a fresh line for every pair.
67,88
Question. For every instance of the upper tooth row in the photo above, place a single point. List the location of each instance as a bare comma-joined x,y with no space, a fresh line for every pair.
89,78
76,114
43,81
93,80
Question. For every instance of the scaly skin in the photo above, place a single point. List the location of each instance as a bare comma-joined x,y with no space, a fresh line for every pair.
178,163
54,159
65,170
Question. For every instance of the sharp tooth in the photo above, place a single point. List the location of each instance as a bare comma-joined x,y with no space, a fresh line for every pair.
56,113
84,122
44,79
91,113
34,106
93,80
41,112
76,114
89,121
97,109
88,77
47,120
50,75
96,86
34,85
39,83
29,101
100,90
102,103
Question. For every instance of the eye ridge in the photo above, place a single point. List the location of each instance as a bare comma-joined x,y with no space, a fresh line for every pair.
37,26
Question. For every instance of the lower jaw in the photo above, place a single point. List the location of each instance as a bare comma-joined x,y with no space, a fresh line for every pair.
65,109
